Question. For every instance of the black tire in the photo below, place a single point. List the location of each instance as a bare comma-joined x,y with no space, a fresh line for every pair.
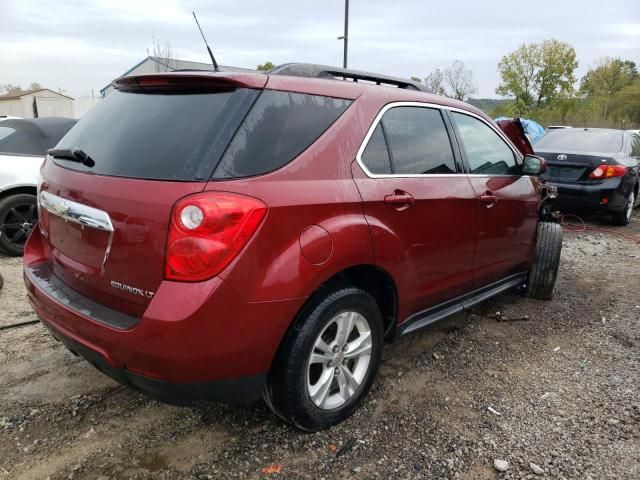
624,217
287,391
16,211
544,271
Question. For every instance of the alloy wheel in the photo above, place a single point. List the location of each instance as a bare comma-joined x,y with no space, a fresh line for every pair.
18,223
339,360
632,200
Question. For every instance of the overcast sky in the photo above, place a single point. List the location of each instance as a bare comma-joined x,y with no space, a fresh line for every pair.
80,45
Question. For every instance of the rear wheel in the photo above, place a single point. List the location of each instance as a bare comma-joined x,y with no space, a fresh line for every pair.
328,361
544,271
18,216
624,217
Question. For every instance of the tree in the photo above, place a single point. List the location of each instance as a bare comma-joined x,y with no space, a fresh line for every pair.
10,88
458,81
35,86
164,55
538,73
434,82
609,76
265,67
454,81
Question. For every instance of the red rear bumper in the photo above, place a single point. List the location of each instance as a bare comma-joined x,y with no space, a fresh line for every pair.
191,333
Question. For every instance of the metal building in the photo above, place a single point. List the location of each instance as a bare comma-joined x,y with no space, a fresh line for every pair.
36,103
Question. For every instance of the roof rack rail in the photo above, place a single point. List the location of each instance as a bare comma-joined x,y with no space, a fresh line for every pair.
326,71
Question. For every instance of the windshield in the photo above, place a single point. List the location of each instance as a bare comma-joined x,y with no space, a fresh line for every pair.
563,140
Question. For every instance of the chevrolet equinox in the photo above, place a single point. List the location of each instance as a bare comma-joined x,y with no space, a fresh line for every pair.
226,236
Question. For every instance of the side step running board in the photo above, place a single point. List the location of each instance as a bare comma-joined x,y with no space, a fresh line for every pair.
439,312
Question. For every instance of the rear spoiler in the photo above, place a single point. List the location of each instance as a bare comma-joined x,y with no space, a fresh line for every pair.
514,130
190,82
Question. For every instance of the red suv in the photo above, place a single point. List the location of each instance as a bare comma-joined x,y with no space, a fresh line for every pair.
219,236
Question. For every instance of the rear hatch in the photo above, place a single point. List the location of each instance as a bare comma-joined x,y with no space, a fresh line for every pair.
572,154
153,141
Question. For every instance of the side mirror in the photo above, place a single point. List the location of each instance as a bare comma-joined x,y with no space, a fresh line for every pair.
533,165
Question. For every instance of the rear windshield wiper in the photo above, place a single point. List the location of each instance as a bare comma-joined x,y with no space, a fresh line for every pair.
74,154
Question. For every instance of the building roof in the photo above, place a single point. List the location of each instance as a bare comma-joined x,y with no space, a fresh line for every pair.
22,93
172,64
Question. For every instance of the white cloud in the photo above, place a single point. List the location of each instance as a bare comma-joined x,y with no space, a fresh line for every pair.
81,45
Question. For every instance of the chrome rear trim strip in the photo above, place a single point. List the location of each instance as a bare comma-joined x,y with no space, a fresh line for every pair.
76,212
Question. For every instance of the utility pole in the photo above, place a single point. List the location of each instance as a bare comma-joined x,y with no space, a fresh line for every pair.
345,37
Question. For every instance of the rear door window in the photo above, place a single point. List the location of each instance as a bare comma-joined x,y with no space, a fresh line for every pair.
486,152
418,141
158,136
280,126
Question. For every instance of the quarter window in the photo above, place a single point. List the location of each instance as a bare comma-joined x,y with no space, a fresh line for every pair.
280,126
418,141
485,151
376,155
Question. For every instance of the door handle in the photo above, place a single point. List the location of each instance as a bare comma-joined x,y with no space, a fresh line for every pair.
400,199
488,200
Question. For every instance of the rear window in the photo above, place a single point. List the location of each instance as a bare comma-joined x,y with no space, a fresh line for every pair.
562,140
158,136
187,137
280,126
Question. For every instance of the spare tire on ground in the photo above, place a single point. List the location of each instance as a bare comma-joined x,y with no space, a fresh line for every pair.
544,271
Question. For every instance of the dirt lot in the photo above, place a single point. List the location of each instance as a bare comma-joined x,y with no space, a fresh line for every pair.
560,389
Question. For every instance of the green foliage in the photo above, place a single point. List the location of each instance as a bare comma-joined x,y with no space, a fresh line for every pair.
537,74
265,67
610,76
539,78
488,105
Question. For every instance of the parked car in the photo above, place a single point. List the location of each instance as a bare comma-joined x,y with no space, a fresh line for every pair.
226,236
23,145
595,169
556,127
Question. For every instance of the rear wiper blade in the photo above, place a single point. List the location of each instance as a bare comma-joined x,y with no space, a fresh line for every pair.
74,154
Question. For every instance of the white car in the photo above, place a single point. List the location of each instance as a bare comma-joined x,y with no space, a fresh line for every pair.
23,145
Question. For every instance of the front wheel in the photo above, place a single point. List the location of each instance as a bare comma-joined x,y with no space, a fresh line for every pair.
328,360
544,270
18,216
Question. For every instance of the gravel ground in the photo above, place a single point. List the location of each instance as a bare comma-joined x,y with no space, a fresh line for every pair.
550,395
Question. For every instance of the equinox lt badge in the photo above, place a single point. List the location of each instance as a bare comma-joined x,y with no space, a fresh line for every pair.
133,290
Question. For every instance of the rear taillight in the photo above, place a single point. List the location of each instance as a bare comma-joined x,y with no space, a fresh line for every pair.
607,171
207,231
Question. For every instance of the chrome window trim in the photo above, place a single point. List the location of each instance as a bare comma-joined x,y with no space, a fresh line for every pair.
391,105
